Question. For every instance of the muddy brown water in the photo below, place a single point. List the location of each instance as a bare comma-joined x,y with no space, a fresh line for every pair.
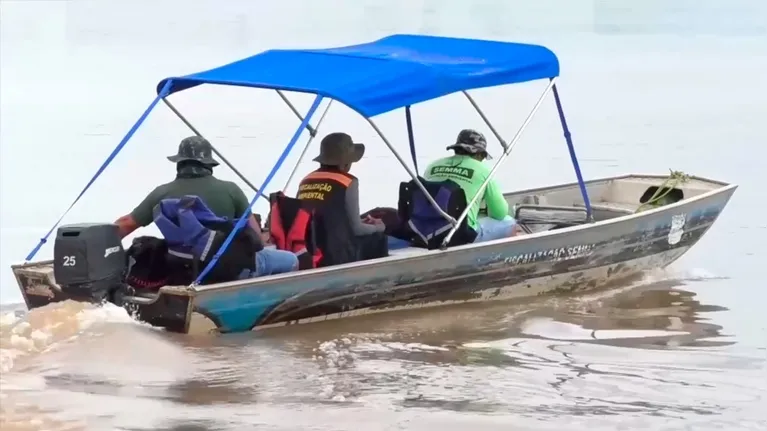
645,354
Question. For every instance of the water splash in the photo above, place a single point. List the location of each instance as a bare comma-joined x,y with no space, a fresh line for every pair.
43,328
25,336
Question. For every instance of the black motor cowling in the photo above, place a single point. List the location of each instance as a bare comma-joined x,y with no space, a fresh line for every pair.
89,260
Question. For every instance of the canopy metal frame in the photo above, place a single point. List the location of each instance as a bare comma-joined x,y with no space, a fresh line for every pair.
507,148
305,125
312,134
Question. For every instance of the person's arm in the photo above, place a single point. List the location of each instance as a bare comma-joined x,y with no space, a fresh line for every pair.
241,205
141,216
353,212
253,223
497,206
126,225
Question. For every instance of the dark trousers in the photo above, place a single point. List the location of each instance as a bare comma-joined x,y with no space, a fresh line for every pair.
372,246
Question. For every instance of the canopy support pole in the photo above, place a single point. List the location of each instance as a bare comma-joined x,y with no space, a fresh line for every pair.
485,119
573,158
411,136
161,95
243,220
213,147
313,134
312,130
412,174
503,156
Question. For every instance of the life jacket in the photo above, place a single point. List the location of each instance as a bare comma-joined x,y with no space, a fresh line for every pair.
323,194
147,263
292,228
181,223
193,235
426,226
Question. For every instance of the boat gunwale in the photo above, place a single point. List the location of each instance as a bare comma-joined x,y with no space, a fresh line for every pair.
254,282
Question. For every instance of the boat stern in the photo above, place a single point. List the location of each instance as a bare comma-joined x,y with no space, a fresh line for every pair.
169,308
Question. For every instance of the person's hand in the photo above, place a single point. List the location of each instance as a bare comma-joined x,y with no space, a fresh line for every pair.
266,238
372,220
517,230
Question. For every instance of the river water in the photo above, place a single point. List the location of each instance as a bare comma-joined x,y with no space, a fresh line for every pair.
647,86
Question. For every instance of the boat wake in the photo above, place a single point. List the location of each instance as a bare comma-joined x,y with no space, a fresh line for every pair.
24,334
604,353
24,337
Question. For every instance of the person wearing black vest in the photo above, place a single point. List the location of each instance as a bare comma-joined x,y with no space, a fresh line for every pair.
332,193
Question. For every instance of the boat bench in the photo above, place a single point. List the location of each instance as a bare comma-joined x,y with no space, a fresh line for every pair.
540,218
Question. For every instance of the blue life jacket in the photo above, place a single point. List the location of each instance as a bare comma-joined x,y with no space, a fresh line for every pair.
425,221
427,227
181,223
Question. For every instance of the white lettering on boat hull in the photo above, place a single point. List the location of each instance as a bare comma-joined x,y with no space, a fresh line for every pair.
553,255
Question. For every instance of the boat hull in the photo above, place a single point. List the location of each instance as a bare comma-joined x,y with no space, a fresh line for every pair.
564,260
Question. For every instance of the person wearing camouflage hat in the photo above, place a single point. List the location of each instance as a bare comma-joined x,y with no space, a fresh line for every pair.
472,142
466,169
194,177
195,148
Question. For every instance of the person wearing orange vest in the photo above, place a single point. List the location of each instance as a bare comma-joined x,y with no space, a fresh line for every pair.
332,193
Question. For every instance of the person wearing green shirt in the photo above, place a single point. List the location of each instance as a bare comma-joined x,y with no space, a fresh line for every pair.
466,169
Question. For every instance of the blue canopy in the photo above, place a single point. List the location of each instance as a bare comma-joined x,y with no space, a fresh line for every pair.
390,73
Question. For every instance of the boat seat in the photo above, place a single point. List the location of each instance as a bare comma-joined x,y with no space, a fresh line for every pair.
540,218
421,224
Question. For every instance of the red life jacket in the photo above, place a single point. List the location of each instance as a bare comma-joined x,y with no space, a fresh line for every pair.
296,238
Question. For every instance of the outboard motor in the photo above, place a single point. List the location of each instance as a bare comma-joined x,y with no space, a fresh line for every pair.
89,261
